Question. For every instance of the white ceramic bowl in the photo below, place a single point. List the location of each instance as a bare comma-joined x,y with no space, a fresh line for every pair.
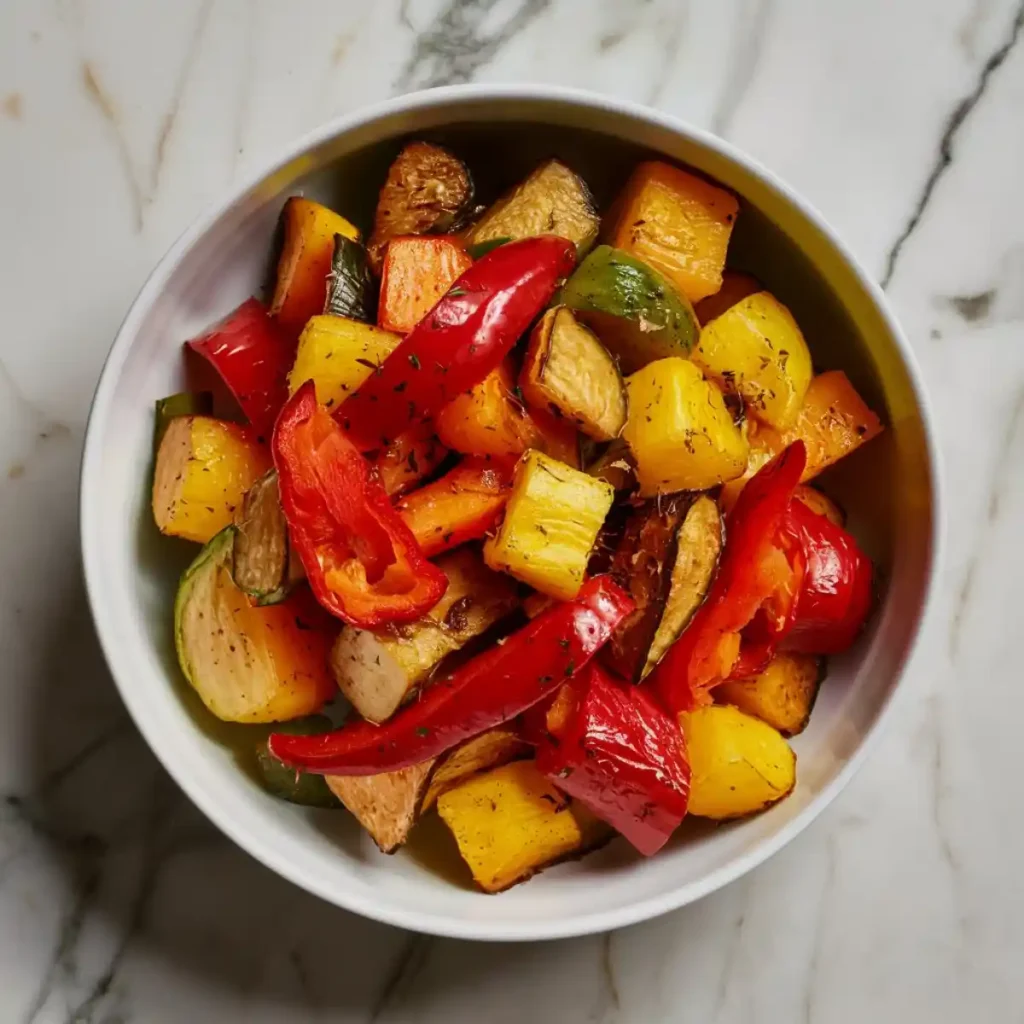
889,489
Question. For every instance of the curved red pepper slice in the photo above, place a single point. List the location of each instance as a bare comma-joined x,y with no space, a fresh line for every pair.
753,568
464,337
252,359
835,591
362,561
492,688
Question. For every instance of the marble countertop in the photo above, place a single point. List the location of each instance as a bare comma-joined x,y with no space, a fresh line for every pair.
902,120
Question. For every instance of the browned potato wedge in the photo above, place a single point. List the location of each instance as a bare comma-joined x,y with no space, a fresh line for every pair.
782,695
385,805
427,191
739,765
378,669
488,750
569,371
553,200
667,559
820,503
264,566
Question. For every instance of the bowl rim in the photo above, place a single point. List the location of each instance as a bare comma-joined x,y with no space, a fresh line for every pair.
250,840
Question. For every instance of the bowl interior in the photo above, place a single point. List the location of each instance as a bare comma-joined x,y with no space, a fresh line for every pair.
131,572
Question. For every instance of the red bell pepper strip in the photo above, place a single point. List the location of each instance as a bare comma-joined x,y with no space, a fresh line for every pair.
464,337
623,757
492,688
253,360
754,567
362,561
835,592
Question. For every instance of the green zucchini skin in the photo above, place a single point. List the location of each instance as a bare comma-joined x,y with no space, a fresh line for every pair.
297,787
186,403
636,312
483,248
351,291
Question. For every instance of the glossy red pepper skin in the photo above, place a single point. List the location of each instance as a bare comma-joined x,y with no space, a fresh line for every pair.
253,359
363,563
835,592
492,688
461,340
623,757
754,566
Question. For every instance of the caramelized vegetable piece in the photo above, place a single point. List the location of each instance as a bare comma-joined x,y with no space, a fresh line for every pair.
680,431
551,522
739,764
553,200
735,286
417,272
248,664
377,670
204,467
338,354
678,223
636,312
509,823
820,503
410,458
305,262
488,750
782,695
615,466
833,422
263,565
667,560
427,191
351,290
461,506
755,349
386,805
570,371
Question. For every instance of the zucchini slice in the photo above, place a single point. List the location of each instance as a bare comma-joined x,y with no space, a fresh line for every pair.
297,787
633,309
248,664
553,200
350,288
568,369
263,565
187,403
667,559
427,191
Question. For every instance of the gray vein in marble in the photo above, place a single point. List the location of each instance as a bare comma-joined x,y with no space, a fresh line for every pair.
748,45
973,308
938,783
611,985
410,961
944,158
811,982
454,47
121,726
731,952
47,429
670,37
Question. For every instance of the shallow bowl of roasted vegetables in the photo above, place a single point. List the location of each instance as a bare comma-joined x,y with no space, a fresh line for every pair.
510,515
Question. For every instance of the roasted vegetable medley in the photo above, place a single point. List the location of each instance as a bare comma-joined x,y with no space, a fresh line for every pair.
518,496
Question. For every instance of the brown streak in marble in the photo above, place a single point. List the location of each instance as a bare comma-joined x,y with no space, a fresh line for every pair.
973,308
608,970
16,471
967,34
939,786
13,105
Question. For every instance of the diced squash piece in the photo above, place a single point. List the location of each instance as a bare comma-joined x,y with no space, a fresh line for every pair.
410,458
569,370
755,349
490,749
338,354
738,764
735,286
418,270
509,823
553,200
204,466
679,430
248,663
378,669
427,191
638,314
781,695
820,503
305,261
386,805
833,422
678,223
462,505
551,521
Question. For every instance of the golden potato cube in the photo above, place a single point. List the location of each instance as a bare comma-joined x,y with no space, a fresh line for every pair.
551,522
782,695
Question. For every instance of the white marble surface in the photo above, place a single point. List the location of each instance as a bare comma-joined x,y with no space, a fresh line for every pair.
902,120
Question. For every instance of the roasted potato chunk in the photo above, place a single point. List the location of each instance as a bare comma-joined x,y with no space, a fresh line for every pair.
782,695
488,750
